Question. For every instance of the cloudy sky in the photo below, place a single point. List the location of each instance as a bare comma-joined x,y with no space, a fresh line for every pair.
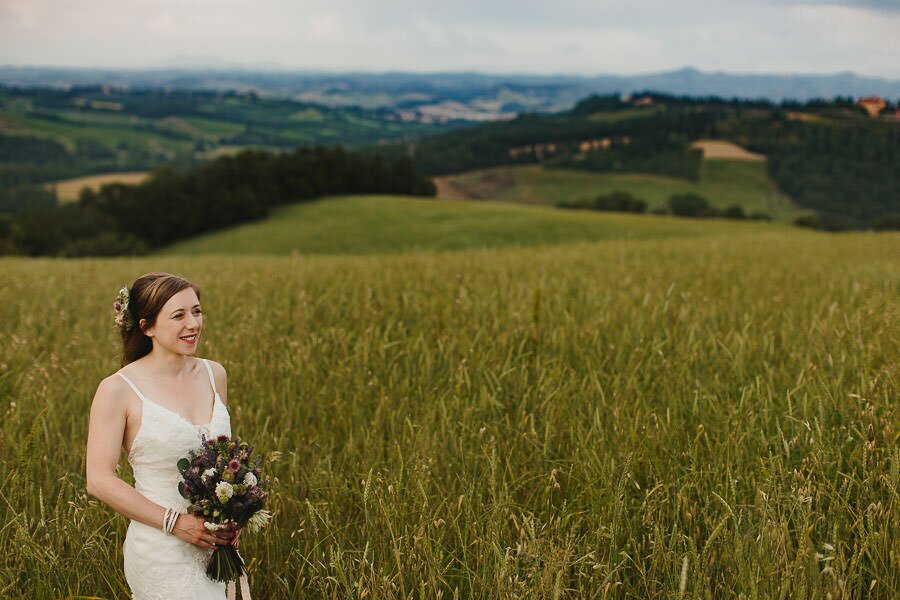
499,36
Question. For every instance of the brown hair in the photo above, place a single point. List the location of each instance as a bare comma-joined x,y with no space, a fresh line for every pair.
147,296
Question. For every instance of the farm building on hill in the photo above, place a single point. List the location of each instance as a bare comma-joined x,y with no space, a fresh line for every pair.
873,105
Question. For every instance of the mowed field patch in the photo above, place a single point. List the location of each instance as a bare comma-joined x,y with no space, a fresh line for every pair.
67,190
719,149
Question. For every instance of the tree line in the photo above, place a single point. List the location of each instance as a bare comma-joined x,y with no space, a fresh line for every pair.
681,205
835,160
173,204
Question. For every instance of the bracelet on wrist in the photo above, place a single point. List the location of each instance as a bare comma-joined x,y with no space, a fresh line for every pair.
169,519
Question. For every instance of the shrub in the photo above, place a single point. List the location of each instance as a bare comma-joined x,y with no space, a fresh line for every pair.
577,204
21,197
689,205
620,201
888,222
734,211
617,201
810,220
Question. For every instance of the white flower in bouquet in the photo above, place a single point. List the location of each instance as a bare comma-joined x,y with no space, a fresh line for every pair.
259,520
208,474
250,479
224,491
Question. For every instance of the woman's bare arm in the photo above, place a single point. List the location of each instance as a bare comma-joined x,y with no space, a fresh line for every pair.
105,435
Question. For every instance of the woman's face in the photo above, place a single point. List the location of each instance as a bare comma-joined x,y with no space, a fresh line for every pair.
178,324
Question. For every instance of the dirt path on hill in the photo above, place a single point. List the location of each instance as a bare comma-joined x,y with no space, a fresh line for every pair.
447,189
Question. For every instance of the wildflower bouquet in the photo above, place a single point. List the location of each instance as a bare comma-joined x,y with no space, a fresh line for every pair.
223,482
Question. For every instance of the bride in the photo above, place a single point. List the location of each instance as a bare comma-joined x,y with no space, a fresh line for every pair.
157,407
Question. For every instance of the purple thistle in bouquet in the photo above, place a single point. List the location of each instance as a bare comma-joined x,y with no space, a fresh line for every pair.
223,481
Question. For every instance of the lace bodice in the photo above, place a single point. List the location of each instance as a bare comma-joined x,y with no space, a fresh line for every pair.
157,565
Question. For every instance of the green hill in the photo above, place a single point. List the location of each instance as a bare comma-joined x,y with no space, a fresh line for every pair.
385,224
51,134
722,182
827,156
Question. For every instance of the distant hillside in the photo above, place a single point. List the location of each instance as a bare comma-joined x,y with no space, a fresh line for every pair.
722,182
482,96
830,157
172,205
50,134
387,224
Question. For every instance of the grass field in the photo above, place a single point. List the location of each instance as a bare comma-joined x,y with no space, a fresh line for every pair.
68,190
142,129
693,417
720,149
69,133
381,224
613,116
722,182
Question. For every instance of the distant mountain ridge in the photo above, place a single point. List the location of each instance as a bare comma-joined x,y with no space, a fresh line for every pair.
484,95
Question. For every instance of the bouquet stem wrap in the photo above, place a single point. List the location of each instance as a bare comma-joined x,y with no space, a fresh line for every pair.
245,585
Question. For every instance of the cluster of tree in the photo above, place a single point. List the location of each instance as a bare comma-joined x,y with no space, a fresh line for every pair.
661,133
617,201
847,175
839,163
95,128
29,160
22,197
655,142
173,204
886,222
682,205
695,205
23,149
661,157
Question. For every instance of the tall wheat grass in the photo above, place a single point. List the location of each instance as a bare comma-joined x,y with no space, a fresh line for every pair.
694,418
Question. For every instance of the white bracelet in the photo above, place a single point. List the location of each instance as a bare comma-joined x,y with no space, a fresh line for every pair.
169,520
173,520
166,518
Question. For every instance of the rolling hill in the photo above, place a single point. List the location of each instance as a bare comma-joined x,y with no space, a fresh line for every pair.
829,157
53,134
723,182
388,224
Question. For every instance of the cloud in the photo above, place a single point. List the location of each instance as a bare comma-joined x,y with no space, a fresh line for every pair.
324,24
875,5
19,12
574,36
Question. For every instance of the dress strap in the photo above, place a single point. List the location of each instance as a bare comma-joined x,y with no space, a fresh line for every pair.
212,380
134,387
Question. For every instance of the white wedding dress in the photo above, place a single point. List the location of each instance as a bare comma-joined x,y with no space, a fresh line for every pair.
159,566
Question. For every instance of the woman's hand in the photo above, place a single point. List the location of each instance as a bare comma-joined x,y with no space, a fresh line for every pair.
190,529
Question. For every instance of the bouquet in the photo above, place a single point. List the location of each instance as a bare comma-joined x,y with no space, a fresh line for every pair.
224,484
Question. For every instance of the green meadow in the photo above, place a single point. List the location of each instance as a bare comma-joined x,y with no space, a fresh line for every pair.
111,133
710,413
386,224
723,182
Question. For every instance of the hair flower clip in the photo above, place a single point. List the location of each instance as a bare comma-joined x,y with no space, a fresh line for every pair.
120,306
